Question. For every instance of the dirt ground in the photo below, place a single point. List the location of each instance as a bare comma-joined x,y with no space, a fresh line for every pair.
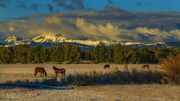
16,72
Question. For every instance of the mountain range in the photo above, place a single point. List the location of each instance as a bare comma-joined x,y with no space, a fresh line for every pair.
109,26
51,40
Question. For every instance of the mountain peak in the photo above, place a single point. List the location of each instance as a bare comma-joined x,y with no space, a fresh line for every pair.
61,39
48,38
11,39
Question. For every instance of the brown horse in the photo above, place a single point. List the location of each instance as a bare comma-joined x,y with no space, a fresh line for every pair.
146,66
59,71
40,70
107,66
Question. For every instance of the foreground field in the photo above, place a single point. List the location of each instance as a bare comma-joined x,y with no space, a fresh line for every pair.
131,92
96,93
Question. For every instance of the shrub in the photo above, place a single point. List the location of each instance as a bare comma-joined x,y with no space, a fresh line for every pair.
171,66
114,76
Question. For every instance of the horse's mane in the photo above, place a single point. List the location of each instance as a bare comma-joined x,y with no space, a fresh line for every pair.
54,67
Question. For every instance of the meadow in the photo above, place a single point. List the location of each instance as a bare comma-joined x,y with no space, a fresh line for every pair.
24,73
16,72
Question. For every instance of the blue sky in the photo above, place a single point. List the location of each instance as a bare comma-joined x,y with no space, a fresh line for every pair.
18,8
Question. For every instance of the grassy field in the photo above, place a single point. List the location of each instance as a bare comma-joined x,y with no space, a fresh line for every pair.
26,71
134,92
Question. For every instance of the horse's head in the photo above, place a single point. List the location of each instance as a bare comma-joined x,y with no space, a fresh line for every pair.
54,67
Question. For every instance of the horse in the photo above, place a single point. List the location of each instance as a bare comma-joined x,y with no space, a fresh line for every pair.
107,66
146,66
40,70
59,71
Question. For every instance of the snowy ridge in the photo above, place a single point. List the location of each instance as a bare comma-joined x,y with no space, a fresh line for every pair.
41,39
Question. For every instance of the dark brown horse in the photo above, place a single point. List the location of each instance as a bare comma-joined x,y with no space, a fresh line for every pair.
107,66
146,66
40,70
59,71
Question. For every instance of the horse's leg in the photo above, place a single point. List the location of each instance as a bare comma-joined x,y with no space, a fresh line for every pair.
148,68
64,72
43,74
35,73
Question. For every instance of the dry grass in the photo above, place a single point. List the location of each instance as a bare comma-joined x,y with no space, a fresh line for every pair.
143,92
171,67
25,72
96,93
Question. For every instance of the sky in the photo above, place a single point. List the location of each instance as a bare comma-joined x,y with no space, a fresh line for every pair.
19,8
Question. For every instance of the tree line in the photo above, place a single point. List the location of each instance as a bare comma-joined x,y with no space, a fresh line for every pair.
38,54
72,54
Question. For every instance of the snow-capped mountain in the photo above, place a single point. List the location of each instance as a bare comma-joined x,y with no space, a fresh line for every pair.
60,39
11,39
46,40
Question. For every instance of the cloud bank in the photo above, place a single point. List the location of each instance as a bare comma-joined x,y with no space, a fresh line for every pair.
83,29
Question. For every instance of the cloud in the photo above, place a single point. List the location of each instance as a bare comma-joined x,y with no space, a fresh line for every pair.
4,3
1,28
11,29
142,3
70,4
83,29
105,31
41,31
78,4
51,5
110,1
20,4
35,6
50,8
111,31
52,20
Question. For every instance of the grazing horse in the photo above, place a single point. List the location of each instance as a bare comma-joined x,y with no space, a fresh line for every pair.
107,66
40,70
146,66
59,71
